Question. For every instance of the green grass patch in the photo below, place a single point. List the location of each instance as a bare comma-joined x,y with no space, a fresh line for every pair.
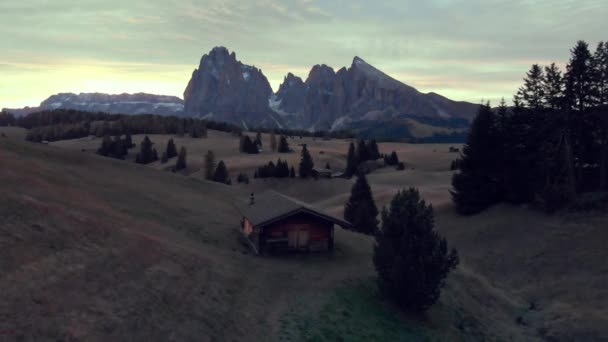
355,312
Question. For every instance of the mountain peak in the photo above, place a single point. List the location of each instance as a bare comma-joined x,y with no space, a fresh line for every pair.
358,60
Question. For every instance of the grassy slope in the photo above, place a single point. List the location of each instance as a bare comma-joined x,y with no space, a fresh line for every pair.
196,280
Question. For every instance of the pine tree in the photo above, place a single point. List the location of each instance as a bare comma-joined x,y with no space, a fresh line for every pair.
327,166
129,141
221,173
475,186
306,164
146,154
553,88
171,150
361,210
273,142
600,74
181,160
411,259
362,153
533,91
209,165
372,150
283,145
579,77
351,161
292,173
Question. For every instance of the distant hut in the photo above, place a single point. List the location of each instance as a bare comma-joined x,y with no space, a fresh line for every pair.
273,222
322,173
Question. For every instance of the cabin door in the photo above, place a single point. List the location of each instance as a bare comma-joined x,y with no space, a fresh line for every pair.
298,238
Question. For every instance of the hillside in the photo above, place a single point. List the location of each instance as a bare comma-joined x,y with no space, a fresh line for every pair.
97,249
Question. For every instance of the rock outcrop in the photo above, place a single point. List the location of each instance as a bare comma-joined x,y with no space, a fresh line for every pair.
334,100
224,89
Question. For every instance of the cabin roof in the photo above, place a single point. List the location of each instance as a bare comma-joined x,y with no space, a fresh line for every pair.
271,206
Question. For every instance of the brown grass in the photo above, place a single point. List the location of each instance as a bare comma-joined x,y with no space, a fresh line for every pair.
97,249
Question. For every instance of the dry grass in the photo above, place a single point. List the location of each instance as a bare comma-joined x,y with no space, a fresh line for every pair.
97,249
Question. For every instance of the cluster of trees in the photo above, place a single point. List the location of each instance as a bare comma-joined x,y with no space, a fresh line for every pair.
551,146
391,159
217,173
279,170
115,147
246,145
411,259
7,119
362,153
70,124
283,145
120,124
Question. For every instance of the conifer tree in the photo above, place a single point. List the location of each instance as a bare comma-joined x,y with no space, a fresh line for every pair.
351,161
533,91
221,173
476,187
306,163
361,210
171,150
411,259
553,87
181,160
209,165
283,145
579,77
362,153
147,154
372,150
292,172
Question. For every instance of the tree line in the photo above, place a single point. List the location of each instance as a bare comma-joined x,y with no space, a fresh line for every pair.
50,125
549,148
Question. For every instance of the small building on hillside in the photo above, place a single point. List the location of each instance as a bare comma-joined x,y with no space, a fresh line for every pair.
273,222
322,173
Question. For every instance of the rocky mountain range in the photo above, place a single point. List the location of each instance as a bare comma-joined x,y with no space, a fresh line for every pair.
361,96
222,88
139,103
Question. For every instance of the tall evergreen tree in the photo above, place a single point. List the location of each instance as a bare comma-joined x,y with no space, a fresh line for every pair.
579,77
181,160
362,153
306,163
283,145
372,150
553,88
533,91
209,165
221,173
171,150
292,172
411,259
476,187
600,74
147,154
351,161
361,210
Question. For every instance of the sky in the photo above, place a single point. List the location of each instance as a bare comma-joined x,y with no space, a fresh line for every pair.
469,50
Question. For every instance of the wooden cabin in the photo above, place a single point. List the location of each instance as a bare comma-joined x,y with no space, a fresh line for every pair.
273,222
